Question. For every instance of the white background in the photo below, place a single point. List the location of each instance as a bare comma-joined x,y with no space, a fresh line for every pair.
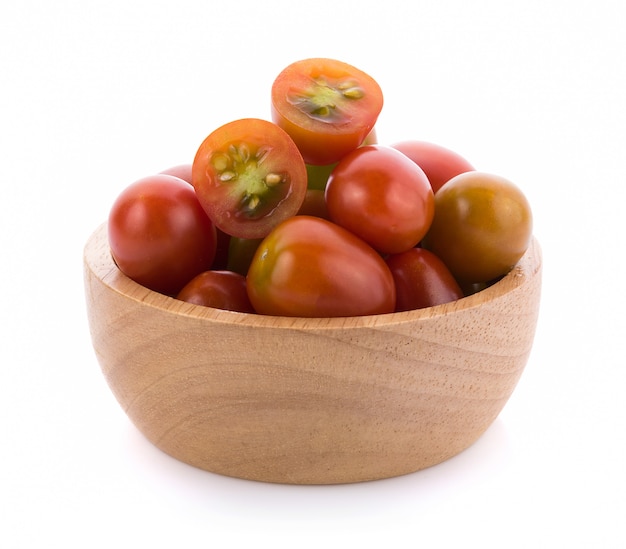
94,95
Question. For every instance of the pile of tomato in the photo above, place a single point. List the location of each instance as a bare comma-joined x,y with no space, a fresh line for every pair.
307,215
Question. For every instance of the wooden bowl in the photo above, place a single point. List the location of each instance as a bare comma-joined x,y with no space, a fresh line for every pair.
310,401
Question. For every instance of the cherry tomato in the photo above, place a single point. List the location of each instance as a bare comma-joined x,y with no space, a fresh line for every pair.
482,226
317,176
422,280
218,289
439,163
382,196
183,171
159,234
328,107
310,267
249,176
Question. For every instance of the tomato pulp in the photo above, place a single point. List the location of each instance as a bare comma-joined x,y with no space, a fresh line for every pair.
249,176
327,107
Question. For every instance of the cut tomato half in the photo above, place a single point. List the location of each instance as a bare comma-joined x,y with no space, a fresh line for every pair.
328,107
249,176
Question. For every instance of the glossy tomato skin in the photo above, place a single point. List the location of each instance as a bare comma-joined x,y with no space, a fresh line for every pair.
183,171
317,176
327,106
218,289
382,196
159,234
422,280
249,176
310,267
439,163
482,226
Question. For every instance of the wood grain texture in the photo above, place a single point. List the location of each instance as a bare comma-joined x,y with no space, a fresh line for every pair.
310,401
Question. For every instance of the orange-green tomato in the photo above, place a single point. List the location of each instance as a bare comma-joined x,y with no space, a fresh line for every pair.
481,228
310,267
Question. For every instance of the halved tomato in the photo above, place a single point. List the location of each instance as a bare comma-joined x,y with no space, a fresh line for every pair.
328,107
249,176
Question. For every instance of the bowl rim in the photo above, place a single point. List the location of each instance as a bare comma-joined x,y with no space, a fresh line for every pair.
97,259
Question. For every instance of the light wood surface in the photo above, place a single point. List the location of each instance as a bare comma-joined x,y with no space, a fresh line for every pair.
310,401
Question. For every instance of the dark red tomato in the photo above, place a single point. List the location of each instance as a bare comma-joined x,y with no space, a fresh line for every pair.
249,176
439,163
159,234
328,107
382,196
482,226
183,171
310,267
422,280
218,289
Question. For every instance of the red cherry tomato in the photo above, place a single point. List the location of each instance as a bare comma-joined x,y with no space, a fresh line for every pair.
422,280
439,163
382,196
317,176
183,171
218,289
249,176
310,267
328,107
159,234
482,226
